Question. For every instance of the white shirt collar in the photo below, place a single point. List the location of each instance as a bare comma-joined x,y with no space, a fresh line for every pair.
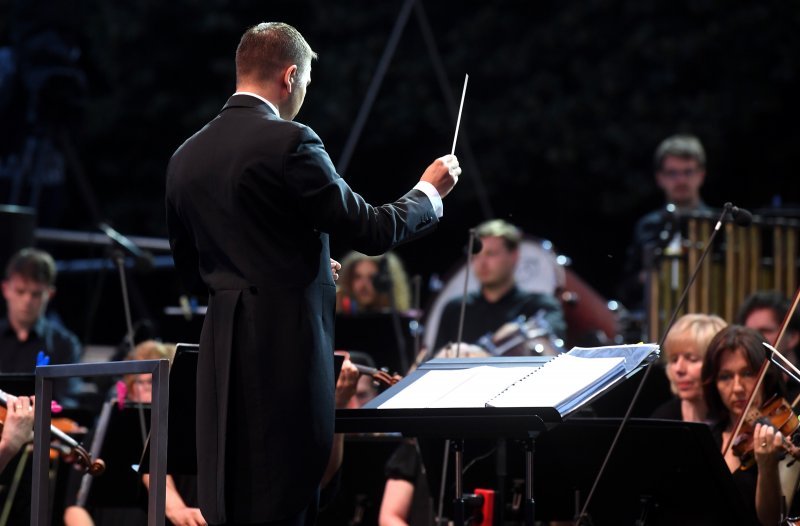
259,97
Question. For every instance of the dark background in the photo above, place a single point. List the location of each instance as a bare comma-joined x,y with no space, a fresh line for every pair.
565,106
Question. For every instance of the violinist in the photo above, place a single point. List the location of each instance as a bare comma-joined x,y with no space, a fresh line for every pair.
15,466
17,428
730,374
684,349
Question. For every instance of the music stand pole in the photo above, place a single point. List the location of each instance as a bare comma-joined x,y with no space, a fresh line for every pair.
119,260
459,507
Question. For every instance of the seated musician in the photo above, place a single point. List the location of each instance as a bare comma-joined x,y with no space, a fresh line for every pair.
366,388
371,284
730,374
139,388
28,336
17,432
684,349
765,311
17,428
499,300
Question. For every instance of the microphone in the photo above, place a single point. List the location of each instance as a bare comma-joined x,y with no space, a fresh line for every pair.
742,218
143,258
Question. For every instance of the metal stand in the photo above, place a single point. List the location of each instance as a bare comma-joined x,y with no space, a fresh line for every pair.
529,507
459,502
40,509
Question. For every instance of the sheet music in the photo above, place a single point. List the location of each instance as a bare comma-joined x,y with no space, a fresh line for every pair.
456,387
563,383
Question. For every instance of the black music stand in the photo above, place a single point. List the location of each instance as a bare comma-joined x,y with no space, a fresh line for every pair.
663,472
181,445
456,424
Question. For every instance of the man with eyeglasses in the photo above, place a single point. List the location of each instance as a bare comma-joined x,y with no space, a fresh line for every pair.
680,170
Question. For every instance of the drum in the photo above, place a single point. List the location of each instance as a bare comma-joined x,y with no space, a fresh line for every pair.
539,269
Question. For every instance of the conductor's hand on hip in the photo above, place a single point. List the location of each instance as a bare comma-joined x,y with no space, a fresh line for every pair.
443,174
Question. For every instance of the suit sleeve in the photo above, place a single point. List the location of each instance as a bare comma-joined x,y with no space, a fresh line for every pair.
184,253
332,207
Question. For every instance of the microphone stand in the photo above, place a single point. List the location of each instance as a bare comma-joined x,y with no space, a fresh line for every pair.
727,209
470,246
119,260
121,245
458,448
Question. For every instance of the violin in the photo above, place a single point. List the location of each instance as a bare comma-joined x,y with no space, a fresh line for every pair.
63,444
776,412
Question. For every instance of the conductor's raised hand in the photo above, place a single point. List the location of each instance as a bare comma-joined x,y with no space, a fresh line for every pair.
443,174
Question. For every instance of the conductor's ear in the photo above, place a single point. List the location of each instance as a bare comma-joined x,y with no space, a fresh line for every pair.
289,77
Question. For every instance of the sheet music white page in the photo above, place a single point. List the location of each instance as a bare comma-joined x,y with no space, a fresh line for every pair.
559,380
482,386
429,388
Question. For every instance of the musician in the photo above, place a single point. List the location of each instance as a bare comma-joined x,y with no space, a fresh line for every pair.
17,428
181,493
680,171
684,349
27,336
15,462
729,374
251,199
499,300
765,311
365,284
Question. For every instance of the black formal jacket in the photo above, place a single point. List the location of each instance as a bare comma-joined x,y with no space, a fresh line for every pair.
251,199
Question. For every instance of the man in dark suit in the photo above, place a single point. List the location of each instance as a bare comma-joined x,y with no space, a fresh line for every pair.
251,199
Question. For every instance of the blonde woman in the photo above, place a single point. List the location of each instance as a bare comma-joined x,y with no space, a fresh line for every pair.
684,349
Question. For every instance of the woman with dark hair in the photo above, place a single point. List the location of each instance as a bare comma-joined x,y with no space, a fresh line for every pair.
730,374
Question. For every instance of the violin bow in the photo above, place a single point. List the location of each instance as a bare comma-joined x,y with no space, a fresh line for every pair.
763,372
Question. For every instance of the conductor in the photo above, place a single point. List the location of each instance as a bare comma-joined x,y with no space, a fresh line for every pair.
251,200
